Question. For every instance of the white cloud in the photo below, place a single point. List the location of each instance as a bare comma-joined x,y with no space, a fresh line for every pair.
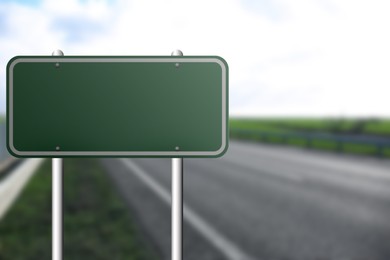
323,57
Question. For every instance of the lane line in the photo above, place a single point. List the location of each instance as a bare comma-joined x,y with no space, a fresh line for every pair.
13,184
223,244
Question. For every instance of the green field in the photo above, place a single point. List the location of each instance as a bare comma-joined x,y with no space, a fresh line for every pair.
296,132
97,224
332,125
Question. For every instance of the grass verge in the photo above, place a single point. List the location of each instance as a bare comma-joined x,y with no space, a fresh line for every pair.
367,126
97,224
310,132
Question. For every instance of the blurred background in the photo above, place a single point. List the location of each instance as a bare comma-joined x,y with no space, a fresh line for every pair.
307,174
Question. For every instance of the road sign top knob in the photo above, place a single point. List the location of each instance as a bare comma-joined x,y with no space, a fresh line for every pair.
57,53
177,53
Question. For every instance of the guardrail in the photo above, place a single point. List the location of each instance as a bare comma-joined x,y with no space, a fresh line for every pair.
3,150
7,165
6,160
374,145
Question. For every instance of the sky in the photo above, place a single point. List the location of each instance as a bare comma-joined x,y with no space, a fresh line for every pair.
286,57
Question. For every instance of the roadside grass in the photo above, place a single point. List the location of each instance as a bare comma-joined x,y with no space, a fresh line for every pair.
368,126
25,231
378,127
360,149
325,145
297,142
295,132
386,152
97,224
266,125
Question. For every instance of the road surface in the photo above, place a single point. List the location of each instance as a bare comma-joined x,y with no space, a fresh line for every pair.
264,202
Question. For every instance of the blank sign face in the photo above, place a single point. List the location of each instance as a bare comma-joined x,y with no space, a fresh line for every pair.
117,106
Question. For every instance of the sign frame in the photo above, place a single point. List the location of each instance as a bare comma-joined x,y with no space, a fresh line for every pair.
142,59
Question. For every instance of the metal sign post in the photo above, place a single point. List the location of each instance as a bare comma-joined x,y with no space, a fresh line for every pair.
57,208
117,106
57,200
177,202
177,209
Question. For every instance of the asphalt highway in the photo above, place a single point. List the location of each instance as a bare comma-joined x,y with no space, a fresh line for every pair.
264,202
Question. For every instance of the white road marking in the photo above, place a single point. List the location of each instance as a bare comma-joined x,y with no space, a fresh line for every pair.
13,184
225,246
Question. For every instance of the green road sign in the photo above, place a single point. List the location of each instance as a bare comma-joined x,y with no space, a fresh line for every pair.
117,106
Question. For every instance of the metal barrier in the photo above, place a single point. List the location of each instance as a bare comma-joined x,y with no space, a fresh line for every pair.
3,149
379,146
